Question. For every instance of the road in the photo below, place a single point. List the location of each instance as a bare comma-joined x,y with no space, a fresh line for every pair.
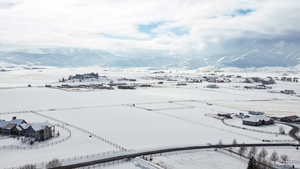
293,132
132,155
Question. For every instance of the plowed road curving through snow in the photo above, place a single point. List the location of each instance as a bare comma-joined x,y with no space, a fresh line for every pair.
132,155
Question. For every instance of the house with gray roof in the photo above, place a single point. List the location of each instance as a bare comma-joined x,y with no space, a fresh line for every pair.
258,120
19,127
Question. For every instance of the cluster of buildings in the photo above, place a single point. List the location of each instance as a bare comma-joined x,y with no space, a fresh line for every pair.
82,77
289,79
261,86
19,127
254,118
216,79
263,81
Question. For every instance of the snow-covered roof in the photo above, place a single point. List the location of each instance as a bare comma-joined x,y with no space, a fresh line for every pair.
257,118
10,126
19,128
3,123
39,126
24,125
17,121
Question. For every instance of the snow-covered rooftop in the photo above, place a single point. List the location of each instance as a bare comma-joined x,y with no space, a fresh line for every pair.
257,118
39,126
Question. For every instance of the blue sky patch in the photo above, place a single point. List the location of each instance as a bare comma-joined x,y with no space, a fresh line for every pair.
244,11
180,31
241,12
147,28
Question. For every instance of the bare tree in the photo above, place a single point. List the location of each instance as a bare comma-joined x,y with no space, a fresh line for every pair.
252,152
284,158
234,142
242,150
28,166
53,163
274,157
262,155
281,130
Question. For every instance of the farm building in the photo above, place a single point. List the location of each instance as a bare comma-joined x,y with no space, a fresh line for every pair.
290,119
181,84
256,113
39,131
258,120
212,86
3,123
288,92
126,87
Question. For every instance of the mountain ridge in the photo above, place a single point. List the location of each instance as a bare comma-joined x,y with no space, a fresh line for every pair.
280,54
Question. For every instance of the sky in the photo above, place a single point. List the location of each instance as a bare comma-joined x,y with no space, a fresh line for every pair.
177,26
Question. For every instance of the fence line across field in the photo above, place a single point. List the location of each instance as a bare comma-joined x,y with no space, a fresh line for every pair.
70,160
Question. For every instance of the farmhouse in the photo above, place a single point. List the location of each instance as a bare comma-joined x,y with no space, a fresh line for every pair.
10,127
19,127
258,120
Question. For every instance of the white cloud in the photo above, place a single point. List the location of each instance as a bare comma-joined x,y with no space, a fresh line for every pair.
81,23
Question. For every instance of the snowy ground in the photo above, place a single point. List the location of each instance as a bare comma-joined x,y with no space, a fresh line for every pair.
78,145
207,159
162,116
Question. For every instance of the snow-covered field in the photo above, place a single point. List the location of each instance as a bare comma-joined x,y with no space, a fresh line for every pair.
206,159
138,119
79,144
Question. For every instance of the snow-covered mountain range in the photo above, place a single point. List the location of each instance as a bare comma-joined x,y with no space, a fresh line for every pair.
254,54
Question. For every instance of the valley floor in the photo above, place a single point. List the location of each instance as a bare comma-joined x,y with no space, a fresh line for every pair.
108,120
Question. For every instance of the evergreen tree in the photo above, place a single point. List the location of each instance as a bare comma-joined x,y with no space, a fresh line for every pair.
252,164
